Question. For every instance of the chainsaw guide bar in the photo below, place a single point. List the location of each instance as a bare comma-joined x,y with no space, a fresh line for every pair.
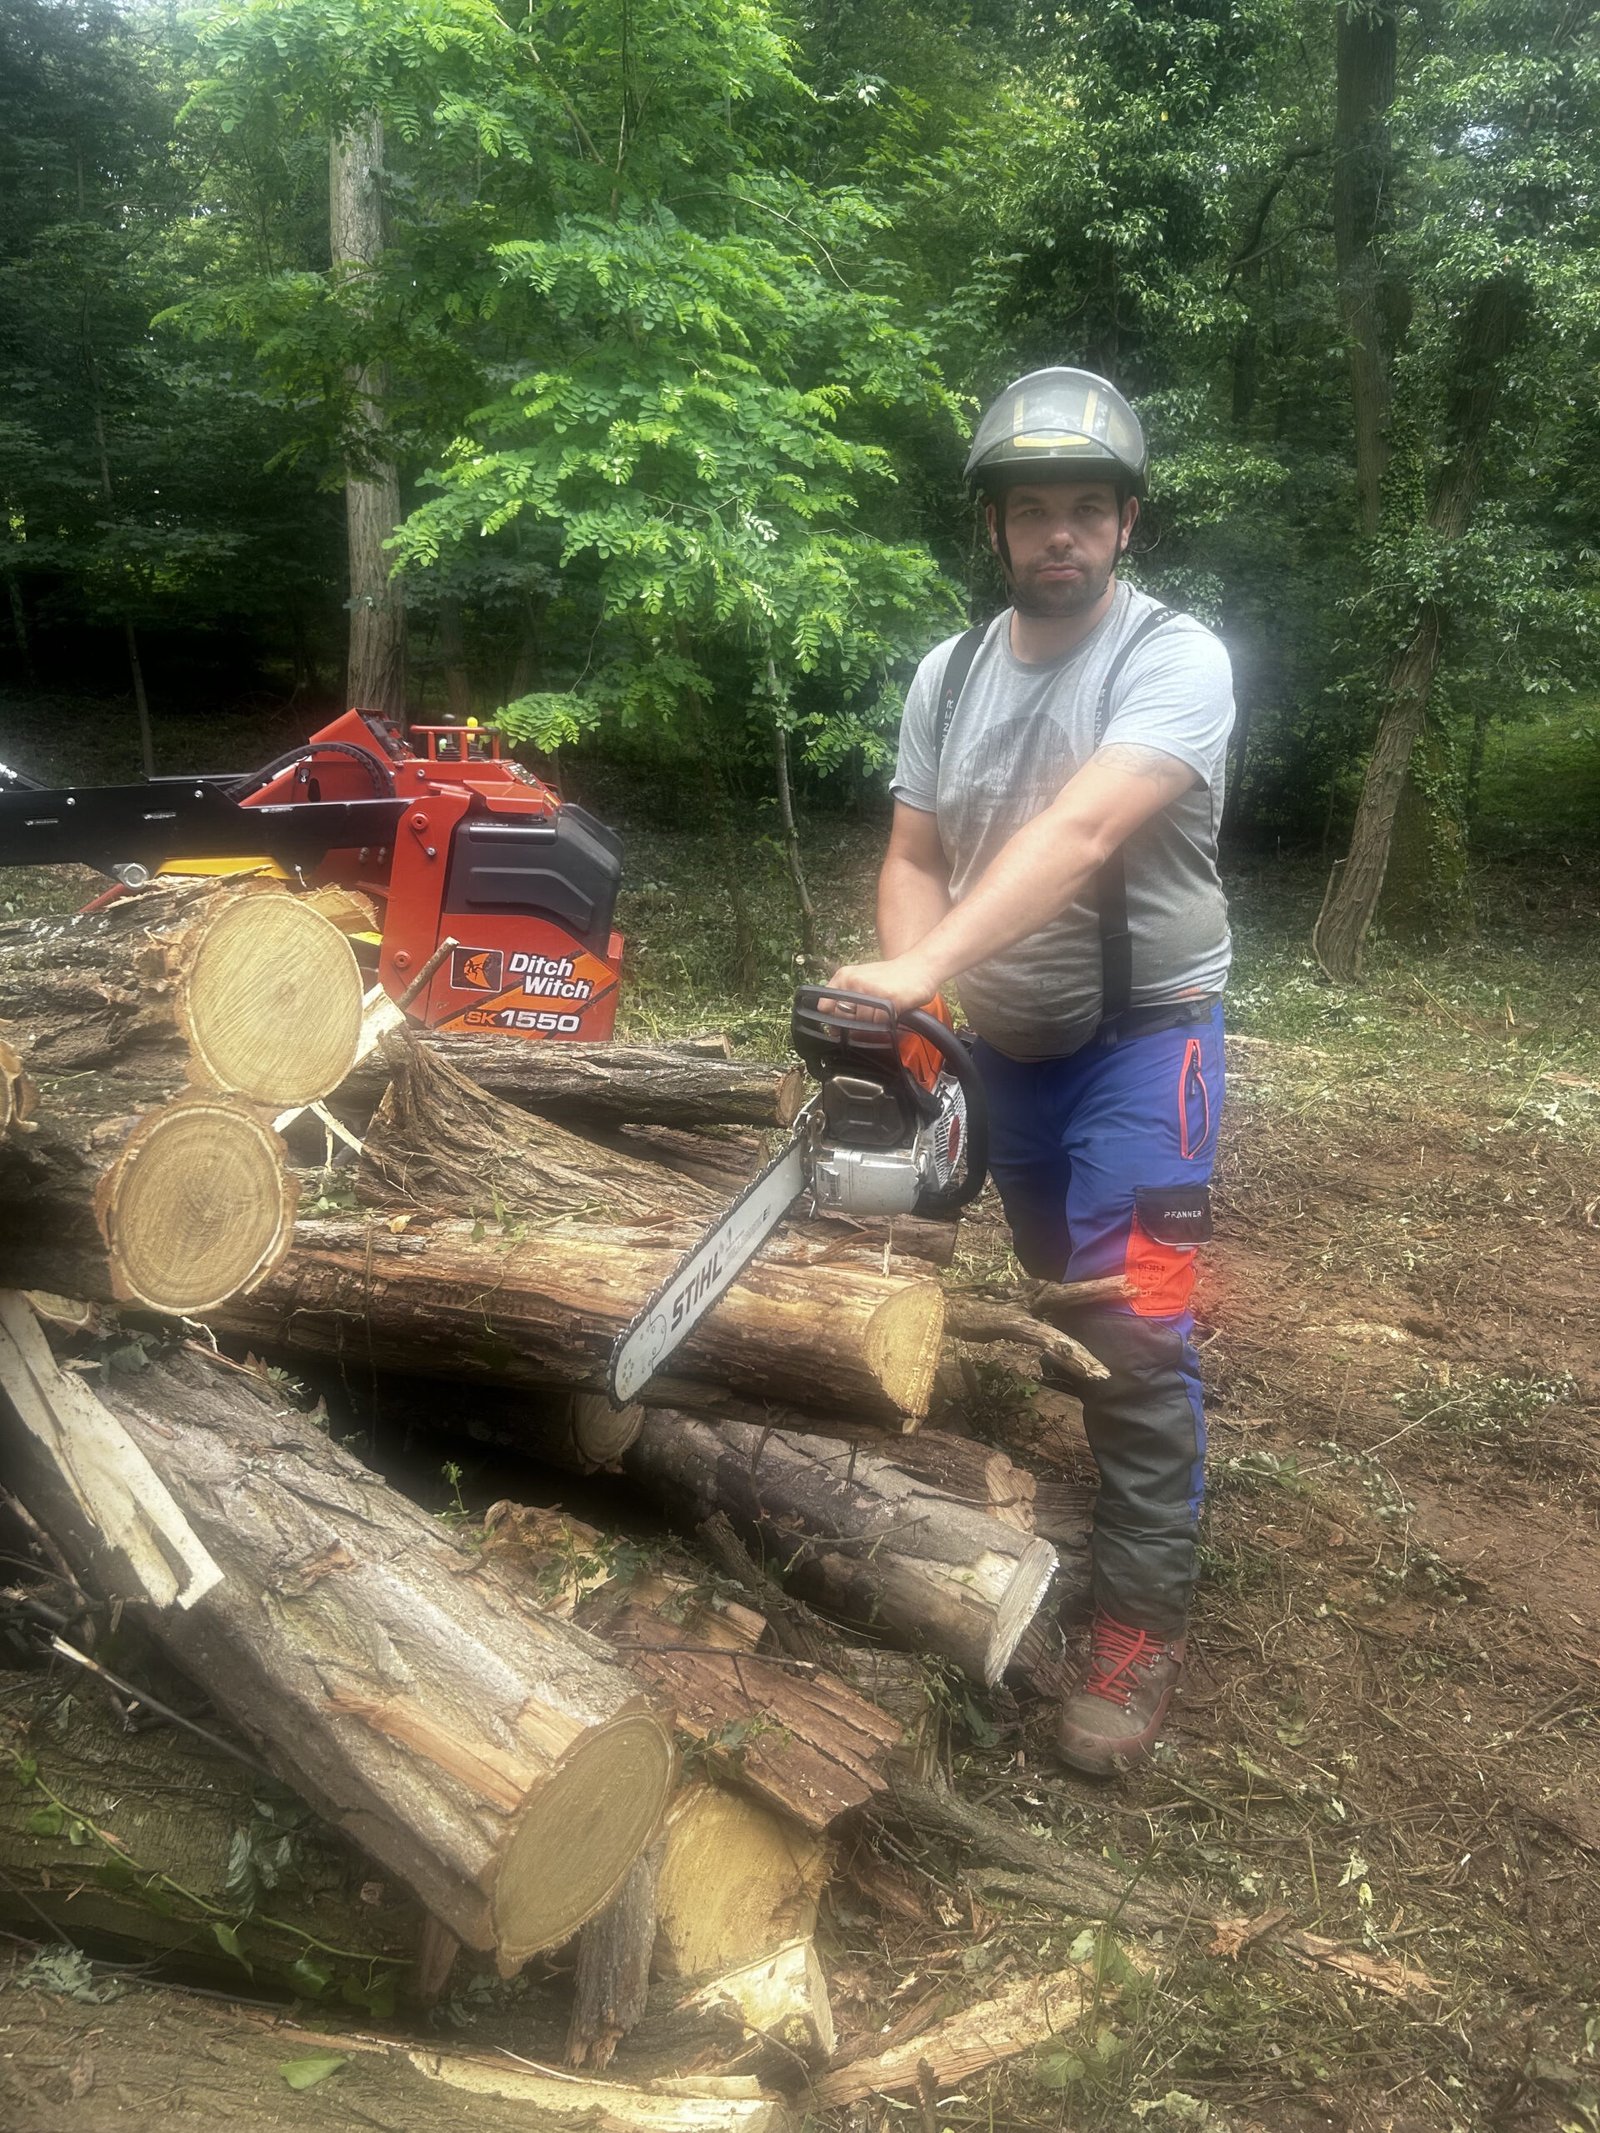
708,1268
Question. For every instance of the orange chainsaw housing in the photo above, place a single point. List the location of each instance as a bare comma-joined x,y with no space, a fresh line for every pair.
486,855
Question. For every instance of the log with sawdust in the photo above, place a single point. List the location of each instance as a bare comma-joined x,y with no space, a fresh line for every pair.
607,1084
245,989
855,1535
523,1305
150,1841
496,1760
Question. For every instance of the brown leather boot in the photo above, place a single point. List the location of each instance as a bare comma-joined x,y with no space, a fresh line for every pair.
1111,1720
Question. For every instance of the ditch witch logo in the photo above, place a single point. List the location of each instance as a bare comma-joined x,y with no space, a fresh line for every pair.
477,969
543,977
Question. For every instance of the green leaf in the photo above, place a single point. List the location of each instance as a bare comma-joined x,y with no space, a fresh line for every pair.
45,1821
311,1977
306,2073
228,1942
27,1770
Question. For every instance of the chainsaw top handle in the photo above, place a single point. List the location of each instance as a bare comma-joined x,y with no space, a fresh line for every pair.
859,1033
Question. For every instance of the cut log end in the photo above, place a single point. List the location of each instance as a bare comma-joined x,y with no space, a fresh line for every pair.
902,1344
1023,1598
272,1002
574,1846
196,1207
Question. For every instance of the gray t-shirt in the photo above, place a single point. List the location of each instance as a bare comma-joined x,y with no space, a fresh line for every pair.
1019,733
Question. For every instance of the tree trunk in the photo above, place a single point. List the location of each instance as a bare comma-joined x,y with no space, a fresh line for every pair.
244,989
605,1084
376,678
499,1762
1425,890
1488,331
519,1305
453,651
159,1840
856,1535
1362,185
810,949
736,1880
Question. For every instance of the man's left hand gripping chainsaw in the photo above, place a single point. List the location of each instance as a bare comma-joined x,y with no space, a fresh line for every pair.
898,1127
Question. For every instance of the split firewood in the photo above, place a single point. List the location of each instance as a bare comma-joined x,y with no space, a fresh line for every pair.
613,1970
1029,2013
736,1881
153,1841
498,1761
984,1323
607,1084
242,988
117,1503
855,1534
519,1308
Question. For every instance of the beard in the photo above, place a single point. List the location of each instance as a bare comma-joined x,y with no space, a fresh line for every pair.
1045,601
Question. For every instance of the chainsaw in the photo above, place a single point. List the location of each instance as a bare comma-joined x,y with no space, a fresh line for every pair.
897,1126
494,896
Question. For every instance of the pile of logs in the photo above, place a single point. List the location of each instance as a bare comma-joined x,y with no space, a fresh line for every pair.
394,1747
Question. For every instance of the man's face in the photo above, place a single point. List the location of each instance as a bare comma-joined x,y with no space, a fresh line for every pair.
1065,538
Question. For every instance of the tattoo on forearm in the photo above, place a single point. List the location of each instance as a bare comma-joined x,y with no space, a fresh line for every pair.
1148,763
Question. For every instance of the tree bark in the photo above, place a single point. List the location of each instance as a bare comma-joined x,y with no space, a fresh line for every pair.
961,1468
613,1970
440,1142
154,1840
855,1535
605,1084
1366,42
376,674
524,1306
1489,330
499,1762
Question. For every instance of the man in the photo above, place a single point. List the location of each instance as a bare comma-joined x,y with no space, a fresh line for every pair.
1054,849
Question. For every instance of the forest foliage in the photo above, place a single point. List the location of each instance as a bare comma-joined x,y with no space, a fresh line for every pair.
676,313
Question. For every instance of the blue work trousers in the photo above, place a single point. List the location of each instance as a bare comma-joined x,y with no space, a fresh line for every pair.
1103,1162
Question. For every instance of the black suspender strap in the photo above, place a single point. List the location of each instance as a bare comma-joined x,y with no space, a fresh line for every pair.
1111,884
956,669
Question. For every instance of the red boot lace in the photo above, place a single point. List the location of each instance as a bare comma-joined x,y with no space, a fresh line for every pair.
1115,1651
